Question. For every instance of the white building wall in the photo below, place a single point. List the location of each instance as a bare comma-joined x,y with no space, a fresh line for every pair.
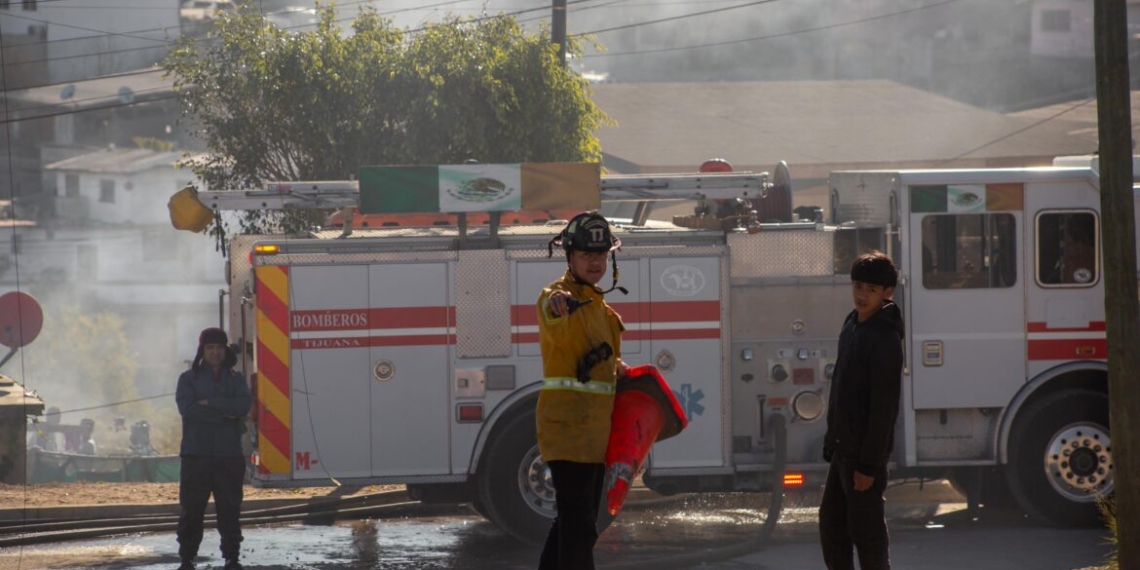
1078,41
88,39
138,197
1074,42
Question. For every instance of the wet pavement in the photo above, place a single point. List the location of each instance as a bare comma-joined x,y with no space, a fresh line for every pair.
649,537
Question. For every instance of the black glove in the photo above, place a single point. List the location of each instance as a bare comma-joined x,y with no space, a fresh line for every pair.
597,355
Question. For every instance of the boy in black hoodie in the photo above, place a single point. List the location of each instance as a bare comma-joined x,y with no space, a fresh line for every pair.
862,409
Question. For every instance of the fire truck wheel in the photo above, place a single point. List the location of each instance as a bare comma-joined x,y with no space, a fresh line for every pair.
1060,458
514,483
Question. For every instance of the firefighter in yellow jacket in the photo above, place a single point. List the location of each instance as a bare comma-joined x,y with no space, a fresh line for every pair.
580,336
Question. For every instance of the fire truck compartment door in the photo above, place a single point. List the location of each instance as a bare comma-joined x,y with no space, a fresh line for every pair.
685,335
532,276
329,371
413,330
966,302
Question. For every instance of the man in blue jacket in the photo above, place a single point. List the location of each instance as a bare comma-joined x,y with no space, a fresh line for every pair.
213,401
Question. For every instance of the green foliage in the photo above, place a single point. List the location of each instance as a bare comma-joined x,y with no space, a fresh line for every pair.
277,106
1107,506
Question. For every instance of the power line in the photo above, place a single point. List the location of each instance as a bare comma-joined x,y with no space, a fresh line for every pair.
102,33
779,35
99,108
1021,130
164,44
505,14
674,18
73,102
16,251
102,77
111,405
172,96
584,8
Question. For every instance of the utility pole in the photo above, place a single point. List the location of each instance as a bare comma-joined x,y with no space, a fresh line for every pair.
558,29
1122,309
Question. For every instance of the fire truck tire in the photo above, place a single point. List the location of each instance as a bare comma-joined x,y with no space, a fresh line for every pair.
514,483
1060,458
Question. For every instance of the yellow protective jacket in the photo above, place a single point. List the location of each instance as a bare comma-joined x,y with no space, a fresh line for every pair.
573,418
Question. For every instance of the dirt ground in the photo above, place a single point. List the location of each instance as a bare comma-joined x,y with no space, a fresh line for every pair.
99,493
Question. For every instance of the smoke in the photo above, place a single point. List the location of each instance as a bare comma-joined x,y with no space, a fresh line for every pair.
977,52
122,310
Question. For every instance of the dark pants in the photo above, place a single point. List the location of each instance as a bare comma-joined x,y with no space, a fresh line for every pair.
578,492
853,519
202,476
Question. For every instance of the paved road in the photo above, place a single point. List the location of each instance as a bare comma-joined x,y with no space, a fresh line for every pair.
928,533
953,541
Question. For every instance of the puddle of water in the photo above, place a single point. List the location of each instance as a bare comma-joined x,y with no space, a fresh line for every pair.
443,543
352,544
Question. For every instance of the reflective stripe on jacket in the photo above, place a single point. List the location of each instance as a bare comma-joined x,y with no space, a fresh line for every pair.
573,417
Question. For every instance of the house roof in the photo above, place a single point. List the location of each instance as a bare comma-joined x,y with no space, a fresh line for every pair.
817,126
117,161
1078,118
107,91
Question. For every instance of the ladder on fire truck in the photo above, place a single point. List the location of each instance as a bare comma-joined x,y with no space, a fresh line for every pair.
344,195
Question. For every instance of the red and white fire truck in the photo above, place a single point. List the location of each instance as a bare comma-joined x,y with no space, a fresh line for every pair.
410,354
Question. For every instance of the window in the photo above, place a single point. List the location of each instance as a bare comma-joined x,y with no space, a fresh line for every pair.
30,5
1055,20
853,242
4,4
1067,249
71,185
969,251
107,191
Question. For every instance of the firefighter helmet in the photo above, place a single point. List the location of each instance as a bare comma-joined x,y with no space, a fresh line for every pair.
588,231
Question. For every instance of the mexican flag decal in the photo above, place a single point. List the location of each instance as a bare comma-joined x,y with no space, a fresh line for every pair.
479,188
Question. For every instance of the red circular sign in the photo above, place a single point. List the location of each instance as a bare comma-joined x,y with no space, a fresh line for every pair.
21,319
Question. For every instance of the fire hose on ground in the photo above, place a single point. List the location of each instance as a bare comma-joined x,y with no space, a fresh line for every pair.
778,425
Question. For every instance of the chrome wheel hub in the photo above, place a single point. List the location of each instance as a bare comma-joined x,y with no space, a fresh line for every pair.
1078,462
535,484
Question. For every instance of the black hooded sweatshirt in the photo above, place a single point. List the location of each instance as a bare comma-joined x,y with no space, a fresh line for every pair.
864,400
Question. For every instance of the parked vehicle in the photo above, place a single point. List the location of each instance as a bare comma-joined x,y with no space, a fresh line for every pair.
410,355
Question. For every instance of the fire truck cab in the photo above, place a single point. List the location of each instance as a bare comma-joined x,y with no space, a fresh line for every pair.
410,354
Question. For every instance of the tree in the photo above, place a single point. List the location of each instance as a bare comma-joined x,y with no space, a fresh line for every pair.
273,105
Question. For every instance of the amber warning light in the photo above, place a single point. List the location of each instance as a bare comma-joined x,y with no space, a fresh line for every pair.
265,250
793,480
